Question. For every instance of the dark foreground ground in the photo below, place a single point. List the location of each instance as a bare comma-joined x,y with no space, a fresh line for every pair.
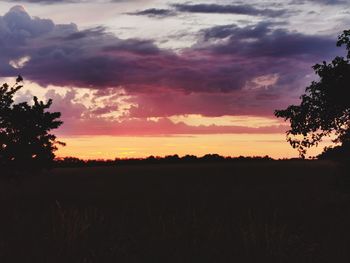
271,211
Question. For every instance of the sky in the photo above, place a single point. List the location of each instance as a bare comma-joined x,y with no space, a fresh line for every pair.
157,77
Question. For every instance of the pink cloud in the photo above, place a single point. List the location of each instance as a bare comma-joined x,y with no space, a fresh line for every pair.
211,78
161,127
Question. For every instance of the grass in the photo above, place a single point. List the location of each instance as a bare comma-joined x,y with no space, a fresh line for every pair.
243,212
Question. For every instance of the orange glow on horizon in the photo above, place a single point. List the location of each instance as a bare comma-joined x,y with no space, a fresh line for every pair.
110,147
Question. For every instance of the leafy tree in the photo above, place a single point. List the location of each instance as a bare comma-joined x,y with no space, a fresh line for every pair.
325,107
25,141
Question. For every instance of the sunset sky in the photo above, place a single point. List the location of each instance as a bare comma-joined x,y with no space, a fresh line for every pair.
134,78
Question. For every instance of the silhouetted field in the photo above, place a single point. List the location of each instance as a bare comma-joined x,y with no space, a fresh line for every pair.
271,211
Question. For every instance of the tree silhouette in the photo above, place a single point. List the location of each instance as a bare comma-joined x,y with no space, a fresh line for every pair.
325,106
25,142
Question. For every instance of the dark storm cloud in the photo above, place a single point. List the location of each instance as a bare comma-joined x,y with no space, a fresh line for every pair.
323,2
136,46
154,12
243,9
67,1
63,55
246,69
202,8
47,1
211,9
76,35
263,41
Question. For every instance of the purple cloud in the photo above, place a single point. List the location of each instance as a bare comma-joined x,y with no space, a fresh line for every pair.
154,12
48,1
322,2
262,41
247,70
240,9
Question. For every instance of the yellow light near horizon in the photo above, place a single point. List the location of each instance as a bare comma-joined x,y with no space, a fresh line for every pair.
246,121
110,147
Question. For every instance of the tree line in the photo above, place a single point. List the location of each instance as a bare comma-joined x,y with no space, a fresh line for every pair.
170,159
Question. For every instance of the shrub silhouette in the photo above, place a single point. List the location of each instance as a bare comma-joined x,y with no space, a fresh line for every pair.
25,142
325,106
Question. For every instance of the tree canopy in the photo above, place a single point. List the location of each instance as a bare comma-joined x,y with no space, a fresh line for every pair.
25,139
325,107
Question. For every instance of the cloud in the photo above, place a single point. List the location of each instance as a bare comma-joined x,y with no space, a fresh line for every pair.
227,72
239,9
262,41
211,9
99,118
154,12
244,9
70,1
49,1
163,126
214,105
322,2
64,55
